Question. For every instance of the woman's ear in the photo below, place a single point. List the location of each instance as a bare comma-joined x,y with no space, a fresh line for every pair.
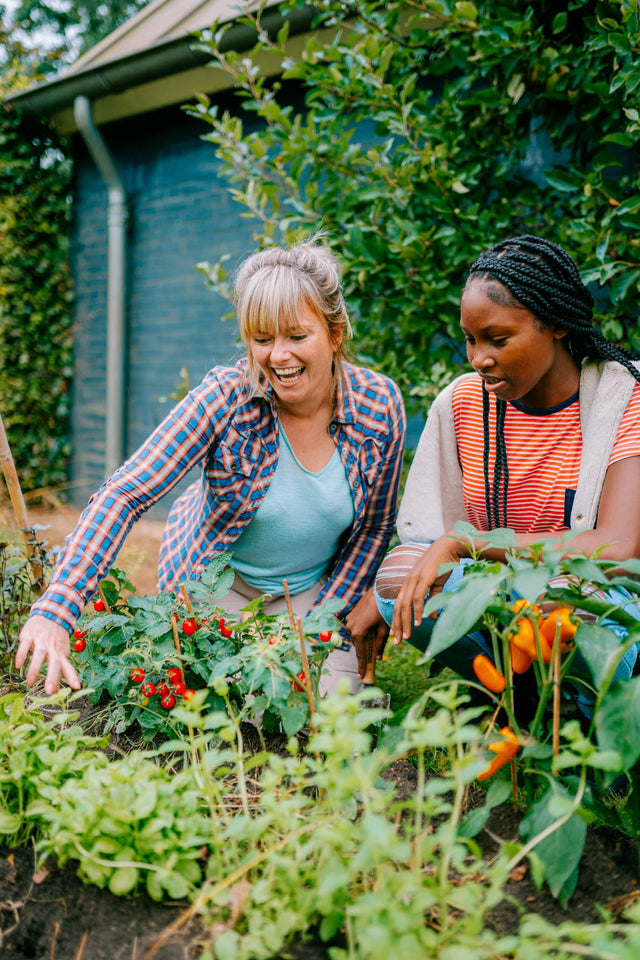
559,333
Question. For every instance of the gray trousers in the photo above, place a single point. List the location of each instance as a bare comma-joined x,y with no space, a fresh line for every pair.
339,663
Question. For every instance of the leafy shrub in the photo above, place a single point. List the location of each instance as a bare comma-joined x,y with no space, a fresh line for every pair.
23,571
35,299
428,132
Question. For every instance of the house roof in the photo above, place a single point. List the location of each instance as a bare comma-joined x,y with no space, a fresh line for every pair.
150,61
159,22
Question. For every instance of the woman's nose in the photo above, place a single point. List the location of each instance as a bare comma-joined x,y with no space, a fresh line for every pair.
280,349
481,358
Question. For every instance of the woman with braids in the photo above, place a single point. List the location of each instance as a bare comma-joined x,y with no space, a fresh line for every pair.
543,437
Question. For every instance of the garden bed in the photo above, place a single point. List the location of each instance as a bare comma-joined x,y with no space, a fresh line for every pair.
49,913
57,917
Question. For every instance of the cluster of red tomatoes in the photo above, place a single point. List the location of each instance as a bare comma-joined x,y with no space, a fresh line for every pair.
79,642
168,690
301,683
190,625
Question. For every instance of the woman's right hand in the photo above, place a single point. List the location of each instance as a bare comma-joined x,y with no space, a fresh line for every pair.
47,641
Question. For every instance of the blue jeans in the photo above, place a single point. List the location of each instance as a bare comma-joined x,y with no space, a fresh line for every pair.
459,656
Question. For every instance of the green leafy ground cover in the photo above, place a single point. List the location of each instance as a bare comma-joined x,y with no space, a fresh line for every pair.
266,844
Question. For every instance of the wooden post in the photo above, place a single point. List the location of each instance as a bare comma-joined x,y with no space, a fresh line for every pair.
13,485
369,677
17,500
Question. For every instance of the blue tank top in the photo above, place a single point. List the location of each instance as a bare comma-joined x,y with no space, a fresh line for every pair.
296,531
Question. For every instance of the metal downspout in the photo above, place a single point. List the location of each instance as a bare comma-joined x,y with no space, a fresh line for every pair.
116,329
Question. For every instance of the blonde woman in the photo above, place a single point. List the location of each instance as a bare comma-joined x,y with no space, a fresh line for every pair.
299,455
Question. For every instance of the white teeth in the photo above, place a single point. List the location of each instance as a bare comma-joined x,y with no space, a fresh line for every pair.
288,372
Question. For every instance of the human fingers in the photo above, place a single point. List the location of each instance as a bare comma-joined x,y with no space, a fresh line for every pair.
48,642
380,641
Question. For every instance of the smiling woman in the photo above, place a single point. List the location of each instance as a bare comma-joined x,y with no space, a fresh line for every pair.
299,454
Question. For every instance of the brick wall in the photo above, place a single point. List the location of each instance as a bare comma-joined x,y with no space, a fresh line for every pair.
180,213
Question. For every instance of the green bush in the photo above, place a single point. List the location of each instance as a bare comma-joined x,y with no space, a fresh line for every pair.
35,299
428,132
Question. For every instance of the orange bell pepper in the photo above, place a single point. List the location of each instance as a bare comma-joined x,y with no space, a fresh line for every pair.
488,674
505,751
520,661
560,616
524,638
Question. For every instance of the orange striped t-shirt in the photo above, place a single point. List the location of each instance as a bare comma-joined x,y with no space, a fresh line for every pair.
543,456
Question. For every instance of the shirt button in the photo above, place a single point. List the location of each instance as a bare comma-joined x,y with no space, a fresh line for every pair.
579,516
333,426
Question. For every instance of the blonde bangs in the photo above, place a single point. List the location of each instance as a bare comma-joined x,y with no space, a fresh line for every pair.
272,296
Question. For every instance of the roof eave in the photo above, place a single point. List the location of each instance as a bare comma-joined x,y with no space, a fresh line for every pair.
51,97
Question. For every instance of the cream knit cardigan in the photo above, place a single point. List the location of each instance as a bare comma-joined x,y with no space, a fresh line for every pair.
432,500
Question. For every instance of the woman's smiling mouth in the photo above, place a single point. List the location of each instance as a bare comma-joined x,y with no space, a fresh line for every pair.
288,374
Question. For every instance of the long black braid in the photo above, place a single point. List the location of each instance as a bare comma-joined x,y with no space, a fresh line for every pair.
540,276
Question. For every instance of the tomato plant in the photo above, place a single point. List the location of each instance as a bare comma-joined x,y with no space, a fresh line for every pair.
133,650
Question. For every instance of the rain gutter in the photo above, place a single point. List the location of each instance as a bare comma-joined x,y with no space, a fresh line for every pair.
46,99
116,272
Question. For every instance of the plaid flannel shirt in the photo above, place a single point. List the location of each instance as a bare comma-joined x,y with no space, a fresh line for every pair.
228,429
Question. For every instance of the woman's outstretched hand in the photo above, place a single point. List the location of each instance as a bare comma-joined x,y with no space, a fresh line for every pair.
47,641
422,580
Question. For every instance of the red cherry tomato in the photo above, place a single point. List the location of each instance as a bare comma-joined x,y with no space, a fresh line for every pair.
189,693
79,634
273,640
148,689
162,690
167,702
301,677
174,674
226,631
79,645
98,605
325,636
178,688
189,626
137,675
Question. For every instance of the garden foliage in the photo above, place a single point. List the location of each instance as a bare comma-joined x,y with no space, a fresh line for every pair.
428,131
141,650
267,848
35,297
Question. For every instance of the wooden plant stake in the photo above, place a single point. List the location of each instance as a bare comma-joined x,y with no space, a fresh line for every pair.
176,641
287,597
369,677
307,676
103,598
187,598
556,698
15,494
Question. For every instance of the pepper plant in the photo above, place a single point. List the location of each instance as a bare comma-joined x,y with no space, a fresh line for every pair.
547,618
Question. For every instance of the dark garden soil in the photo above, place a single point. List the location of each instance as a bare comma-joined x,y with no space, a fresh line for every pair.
50,915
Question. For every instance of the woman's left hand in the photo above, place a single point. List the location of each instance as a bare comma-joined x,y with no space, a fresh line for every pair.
363,621
421,580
